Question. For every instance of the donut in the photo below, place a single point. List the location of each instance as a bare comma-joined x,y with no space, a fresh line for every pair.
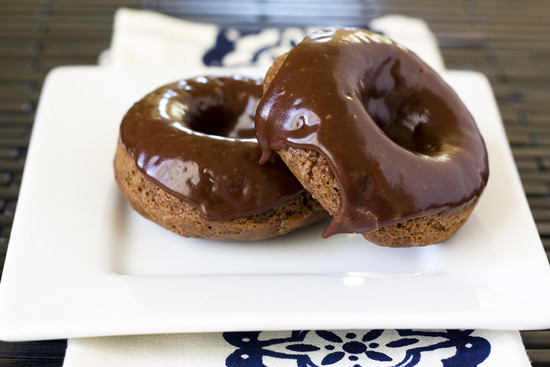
187,159
376,136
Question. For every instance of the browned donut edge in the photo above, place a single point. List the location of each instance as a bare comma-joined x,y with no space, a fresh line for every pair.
421,231
314,173
155,204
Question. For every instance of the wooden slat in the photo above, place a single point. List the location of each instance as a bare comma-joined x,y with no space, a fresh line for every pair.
539,357
50,349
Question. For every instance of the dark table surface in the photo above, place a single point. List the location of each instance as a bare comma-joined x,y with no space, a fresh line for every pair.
507,40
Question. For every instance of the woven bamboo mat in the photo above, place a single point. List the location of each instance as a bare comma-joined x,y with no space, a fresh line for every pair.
505,39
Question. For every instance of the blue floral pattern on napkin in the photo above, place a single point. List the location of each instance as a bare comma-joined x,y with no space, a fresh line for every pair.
247,47
228,40
391,348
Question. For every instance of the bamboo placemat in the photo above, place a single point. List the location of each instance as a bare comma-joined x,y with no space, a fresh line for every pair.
504,39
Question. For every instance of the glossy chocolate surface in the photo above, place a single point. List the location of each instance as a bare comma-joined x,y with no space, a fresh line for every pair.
195,139
398,139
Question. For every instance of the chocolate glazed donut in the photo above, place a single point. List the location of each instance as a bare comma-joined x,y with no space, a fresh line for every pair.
187,159
382,142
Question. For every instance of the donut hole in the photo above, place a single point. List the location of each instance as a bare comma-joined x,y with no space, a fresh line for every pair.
407,121
222,121
413,116
215,106
408,130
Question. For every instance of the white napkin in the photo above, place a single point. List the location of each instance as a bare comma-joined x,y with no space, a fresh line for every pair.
348,348
147,39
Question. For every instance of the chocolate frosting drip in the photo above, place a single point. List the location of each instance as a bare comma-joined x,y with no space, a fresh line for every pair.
398,139
195,139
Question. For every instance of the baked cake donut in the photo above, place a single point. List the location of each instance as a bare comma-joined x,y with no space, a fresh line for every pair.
377,137
187,159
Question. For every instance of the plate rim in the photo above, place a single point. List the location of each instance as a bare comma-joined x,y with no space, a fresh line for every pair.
15,331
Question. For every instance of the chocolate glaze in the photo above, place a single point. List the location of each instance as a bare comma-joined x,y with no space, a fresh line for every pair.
195,139
398,139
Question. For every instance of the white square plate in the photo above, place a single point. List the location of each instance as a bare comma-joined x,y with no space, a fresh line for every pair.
82,263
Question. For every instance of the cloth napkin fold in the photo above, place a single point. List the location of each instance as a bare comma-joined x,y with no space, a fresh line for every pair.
147,39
